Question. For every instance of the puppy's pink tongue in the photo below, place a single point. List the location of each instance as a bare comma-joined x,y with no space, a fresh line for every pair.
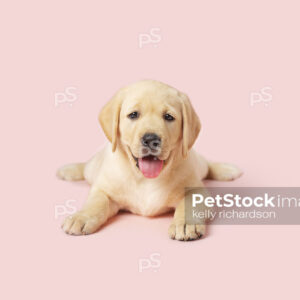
150,167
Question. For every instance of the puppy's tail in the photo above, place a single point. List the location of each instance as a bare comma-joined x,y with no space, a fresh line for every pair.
223,171
71,172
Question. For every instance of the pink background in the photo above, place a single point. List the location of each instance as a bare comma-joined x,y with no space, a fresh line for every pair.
218,52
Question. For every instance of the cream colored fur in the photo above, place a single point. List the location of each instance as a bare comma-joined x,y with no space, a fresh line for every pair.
117,184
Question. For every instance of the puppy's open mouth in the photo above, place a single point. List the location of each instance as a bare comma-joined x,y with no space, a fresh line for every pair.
150,165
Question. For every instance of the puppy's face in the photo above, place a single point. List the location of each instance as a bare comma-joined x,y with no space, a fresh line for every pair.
150,119
150,127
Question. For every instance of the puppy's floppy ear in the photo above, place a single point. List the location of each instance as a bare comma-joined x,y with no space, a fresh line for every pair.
109,119
190,125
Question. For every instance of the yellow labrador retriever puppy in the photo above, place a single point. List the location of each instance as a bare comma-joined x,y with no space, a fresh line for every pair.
148,163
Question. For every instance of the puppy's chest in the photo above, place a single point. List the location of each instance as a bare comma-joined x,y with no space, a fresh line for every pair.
146,199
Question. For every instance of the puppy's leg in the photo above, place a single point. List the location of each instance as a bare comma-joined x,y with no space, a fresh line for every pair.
223,171
71,172
181,231
94,213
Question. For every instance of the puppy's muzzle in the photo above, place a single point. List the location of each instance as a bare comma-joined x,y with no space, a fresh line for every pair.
151,144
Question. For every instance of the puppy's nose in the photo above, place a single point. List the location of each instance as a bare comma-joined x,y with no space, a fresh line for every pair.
151,140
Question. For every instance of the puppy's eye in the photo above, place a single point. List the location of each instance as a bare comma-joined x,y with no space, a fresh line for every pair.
133,115
168,117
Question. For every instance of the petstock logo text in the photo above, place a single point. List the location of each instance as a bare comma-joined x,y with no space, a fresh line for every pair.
246,205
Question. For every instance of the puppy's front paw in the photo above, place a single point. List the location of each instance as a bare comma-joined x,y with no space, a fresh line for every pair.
186,232
81,223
